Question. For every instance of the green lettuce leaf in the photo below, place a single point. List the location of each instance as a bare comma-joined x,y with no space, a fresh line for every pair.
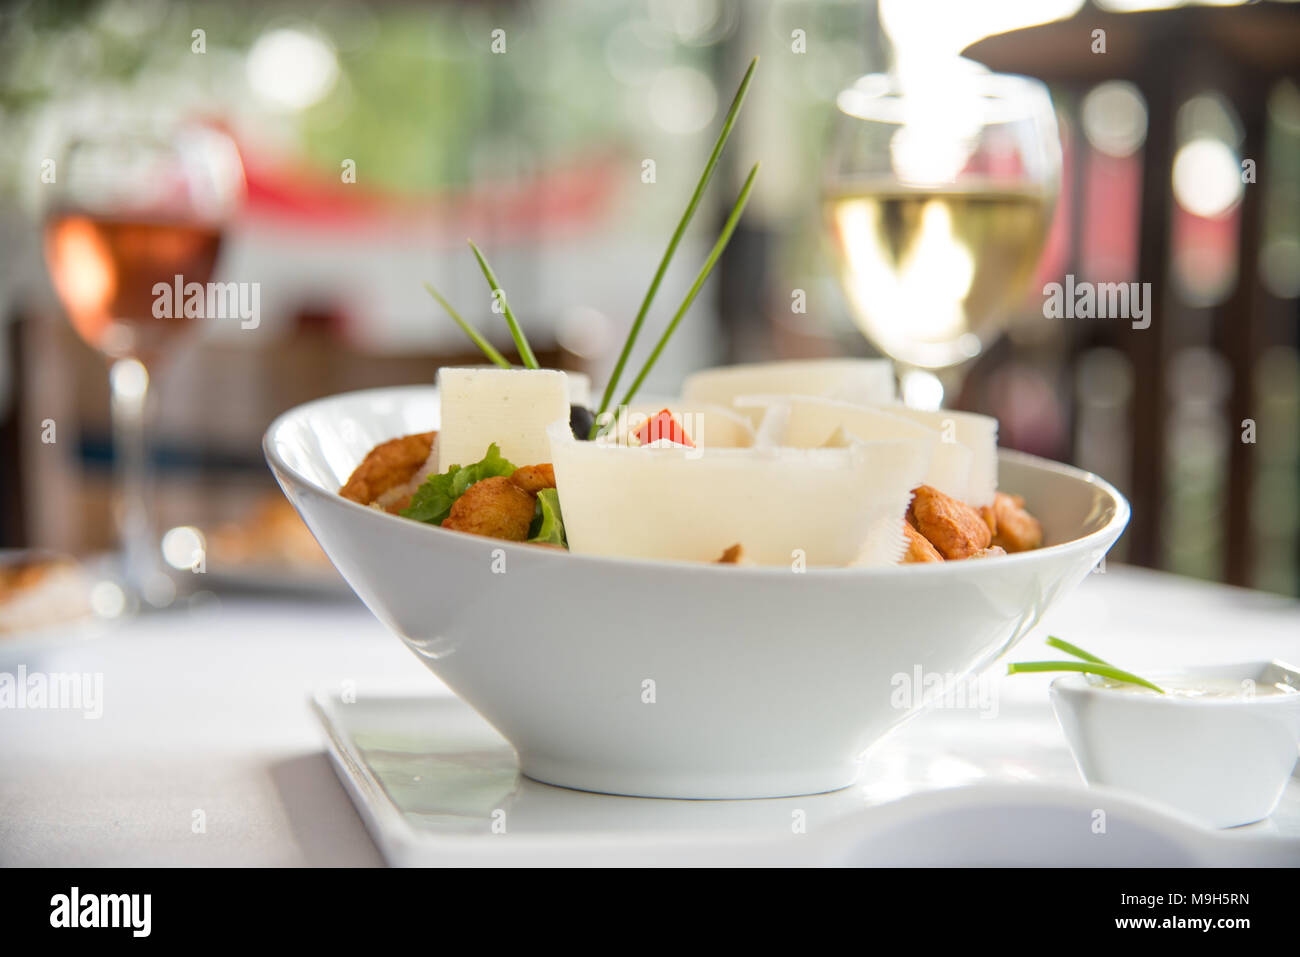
434,498
548,522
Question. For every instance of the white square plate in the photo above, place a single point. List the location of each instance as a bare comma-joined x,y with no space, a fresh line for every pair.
438,786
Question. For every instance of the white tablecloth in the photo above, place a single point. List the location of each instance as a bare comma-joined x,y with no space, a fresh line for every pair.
205,717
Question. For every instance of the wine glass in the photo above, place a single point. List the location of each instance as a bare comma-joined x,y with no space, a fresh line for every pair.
939,188
132,205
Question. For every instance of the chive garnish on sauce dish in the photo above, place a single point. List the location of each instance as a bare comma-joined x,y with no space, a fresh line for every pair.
1090,664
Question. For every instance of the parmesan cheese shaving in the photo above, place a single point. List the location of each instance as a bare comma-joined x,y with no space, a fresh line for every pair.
787,507
863,381
806,422
979,433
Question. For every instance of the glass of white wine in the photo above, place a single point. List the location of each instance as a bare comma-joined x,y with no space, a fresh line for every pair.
939,189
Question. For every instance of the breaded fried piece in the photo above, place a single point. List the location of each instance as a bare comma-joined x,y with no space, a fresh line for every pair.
990,552
990,517
1015,529
735,555
534,478
495,507
387,466
919,548
953,527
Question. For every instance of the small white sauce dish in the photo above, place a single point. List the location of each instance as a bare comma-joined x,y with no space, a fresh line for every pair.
1220,745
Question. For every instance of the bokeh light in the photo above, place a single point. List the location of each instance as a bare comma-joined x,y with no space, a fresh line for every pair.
1207,177
292,68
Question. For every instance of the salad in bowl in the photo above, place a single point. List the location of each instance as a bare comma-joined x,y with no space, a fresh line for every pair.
633,629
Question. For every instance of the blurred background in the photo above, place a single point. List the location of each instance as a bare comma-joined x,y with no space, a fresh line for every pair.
376,136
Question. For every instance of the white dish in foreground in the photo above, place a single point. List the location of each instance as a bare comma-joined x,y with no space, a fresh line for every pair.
1225,761
677,679
437,786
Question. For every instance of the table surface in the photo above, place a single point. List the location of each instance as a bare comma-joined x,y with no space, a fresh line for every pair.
205,717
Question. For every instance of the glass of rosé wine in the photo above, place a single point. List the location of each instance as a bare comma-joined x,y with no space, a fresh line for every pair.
133,205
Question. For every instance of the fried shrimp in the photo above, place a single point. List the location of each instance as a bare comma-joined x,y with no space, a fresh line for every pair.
1014,529
387,468
494,507
919,548
735,555
952,527
534,478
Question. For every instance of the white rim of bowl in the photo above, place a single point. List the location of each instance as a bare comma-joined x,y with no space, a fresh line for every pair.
1116,523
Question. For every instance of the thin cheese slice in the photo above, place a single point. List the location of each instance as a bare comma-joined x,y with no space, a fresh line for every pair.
979,433
511,407
864,381
805,422
786,507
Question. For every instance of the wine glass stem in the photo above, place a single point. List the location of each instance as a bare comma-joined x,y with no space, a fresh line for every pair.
920,388
931,388
129,381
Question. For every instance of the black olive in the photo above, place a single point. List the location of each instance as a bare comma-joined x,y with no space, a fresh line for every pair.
581,419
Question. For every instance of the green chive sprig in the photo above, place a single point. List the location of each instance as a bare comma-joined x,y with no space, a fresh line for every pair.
1075,650
728,228
521,341
680,231
1090,664
470,331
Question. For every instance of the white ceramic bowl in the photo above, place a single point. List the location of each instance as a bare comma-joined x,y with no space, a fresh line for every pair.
1224,761
674,679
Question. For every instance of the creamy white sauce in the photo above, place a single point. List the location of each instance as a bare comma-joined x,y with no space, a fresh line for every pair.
1216,688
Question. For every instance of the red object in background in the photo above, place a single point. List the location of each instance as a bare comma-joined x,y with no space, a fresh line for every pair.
1030,414
1205,254
663,426
569,196
1113,186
